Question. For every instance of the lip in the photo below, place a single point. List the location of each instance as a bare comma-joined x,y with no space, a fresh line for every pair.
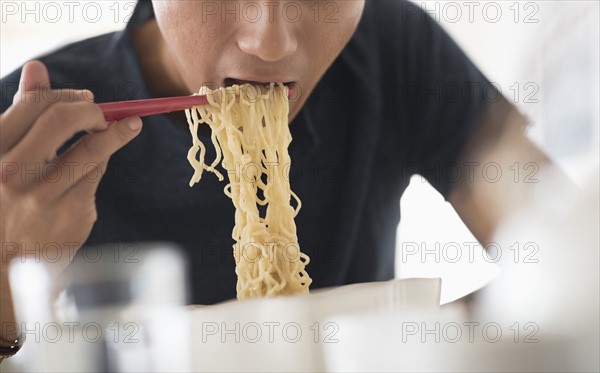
231,81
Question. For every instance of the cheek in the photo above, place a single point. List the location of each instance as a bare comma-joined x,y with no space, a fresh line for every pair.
350,14
173,18
169,14
192,45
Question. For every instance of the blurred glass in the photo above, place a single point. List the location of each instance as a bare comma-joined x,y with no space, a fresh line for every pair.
118,313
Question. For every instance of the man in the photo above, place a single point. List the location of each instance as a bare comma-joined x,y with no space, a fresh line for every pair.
382,93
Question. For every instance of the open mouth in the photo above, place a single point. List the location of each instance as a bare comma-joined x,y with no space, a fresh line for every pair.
231,81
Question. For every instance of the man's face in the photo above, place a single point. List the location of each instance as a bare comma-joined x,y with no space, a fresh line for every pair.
221,43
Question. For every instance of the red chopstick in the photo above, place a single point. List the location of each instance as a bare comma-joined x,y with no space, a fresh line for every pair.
122,109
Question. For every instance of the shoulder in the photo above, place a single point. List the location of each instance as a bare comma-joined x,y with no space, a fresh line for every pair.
402,33
397,15
91,63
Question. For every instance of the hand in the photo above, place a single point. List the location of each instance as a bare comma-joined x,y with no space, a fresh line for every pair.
48,201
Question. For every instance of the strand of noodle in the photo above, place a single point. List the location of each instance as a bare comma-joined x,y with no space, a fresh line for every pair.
197,146
250,126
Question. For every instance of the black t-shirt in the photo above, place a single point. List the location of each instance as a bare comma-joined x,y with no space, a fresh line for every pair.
400,99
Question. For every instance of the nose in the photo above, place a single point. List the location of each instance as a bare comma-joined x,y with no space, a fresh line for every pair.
271,38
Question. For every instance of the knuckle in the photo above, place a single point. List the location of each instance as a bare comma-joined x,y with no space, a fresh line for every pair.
92,216
67,95
91,108
91,112
61,113
50,95
80,214
75,114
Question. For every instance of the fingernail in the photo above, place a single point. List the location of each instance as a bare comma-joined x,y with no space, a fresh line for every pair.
134,123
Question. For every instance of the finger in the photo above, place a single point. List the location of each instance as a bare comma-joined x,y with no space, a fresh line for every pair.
17,120
32,98
34,77
53,128
81,160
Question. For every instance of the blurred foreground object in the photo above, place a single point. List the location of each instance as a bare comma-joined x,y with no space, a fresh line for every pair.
121,311
540,315
292,334
552,278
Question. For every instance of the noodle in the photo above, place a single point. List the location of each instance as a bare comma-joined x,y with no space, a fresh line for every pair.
250,133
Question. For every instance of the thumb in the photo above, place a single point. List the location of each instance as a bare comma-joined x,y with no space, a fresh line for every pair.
34,76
